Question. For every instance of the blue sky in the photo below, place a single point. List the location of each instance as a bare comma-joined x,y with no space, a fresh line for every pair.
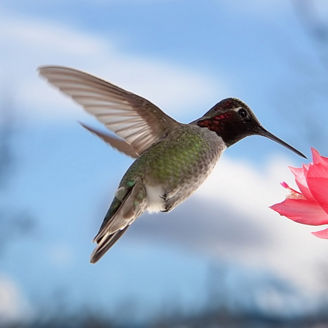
184,56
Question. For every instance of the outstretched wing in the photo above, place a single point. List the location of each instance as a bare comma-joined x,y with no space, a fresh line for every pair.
131,117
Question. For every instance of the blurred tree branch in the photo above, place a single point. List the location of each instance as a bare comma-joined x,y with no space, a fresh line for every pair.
6,132
308,12
14,222
306,80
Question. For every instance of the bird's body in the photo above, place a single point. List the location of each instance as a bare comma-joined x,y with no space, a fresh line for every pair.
172,159
162,177
174,167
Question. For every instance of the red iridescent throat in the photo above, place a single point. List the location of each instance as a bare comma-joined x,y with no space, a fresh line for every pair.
215,123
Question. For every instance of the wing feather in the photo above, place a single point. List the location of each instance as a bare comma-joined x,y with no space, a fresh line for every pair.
131,117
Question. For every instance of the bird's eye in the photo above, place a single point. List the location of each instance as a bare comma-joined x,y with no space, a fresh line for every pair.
242,112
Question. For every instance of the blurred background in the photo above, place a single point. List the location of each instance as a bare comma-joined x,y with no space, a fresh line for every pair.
222,258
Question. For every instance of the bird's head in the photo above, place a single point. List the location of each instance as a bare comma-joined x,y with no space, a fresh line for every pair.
233,120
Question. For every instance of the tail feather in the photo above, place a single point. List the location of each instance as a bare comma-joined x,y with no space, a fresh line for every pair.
116,143
127,205
105,244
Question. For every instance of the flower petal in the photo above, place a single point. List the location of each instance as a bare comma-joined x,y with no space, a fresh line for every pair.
321,234
317,159
302,211
300,178
317,180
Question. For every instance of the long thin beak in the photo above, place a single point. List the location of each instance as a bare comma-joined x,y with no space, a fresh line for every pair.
263,132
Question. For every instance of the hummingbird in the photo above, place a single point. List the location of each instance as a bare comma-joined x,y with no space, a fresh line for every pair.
172,159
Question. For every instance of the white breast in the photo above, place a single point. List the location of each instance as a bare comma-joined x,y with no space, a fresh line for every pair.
154,198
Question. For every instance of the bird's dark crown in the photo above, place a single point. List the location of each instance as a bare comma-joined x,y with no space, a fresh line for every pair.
231,119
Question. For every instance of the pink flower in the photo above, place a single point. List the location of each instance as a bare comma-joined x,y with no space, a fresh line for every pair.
310,204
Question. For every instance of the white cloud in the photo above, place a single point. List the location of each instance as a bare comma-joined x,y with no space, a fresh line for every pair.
229,218
13,306
290,249
27,44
